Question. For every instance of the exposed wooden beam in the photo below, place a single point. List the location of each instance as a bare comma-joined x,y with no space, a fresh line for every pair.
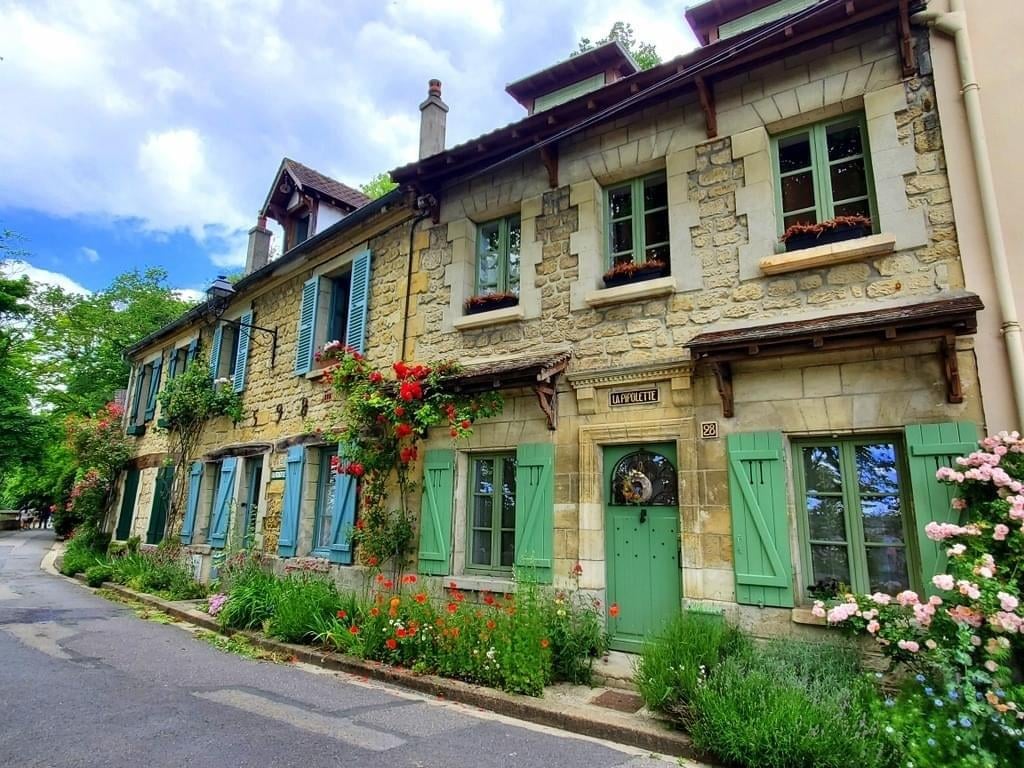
907,56
723,379
549,156
706,95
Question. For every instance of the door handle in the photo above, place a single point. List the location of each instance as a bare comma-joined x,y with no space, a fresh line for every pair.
643,515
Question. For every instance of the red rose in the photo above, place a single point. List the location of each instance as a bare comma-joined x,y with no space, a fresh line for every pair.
399,411
466,423
376,377
410,390
401,370
402,430
356,469
454,432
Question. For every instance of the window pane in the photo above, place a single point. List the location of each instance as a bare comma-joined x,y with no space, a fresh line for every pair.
655,193
830,562
883,522
876,468
508,548
825,518
849,180
515,236
508,493
483,476
620,202
658,253
794,153
843,141
798,191
482,511
487,256
821,468
887,569
622,236
323,532
859,208
807,217
481,550
656,228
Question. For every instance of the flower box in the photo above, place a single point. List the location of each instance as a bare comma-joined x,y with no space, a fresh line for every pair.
486,302
800,236
136,429
631,272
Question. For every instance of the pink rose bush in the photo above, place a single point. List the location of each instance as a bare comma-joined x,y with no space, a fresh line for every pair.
965,640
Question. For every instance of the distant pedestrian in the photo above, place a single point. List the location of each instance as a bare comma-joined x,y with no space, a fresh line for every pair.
26,519
44,516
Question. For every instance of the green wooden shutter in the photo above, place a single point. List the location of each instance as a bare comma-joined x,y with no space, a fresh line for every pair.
436,512
307,326
218,337
343,517
133,414
535,509
242,356
124,520
287,540
193,350
161,500
195,480
154,388
222,504
358,303
930,446
760,519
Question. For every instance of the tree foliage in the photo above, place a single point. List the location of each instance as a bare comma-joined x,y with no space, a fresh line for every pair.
378,186
644,54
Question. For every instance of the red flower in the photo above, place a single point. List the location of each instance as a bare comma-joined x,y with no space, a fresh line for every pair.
356,469
409,578
452,607
613,610
342,614
544,642
375,611
391,643
401,370
399,411
488,598
376,377
372,560
400,632
402,430
353,630
466,423
450,410
408,455
410,390
577,570
380,578
420,597
490,624
454,432
360,524
389,584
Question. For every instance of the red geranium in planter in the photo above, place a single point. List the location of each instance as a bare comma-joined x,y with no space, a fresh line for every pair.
634,272
799,236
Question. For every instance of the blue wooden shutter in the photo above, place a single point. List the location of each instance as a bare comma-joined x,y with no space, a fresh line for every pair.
307,326
222,504
760,519
195,479
358,303
535,509
930,446
154,387
193,349
172,364
242,356
343,517
218,337
286,542
436,512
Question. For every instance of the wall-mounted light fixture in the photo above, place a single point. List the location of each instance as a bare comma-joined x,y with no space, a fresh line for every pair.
218,298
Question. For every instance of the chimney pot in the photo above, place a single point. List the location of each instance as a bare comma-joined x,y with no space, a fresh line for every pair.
258,253
433,117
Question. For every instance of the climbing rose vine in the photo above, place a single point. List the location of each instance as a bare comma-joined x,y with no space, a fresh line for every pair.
384,416
964,642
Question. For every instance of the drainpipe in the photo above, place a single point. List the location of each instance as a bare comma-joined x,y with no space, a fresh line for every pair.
424,204
954,24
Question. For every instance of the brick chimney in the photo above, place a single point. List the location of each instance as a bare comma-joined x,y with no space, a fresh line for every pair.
258,253
433,116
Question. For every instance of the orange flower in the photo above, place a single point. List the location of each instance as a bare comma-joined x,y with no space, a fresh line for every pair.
420,597
544,642
439,623
409,578
375,611
613,610
380,578
392,612
391,643
353,630
454,631
395,601
452,607
490,624
342,614
372,559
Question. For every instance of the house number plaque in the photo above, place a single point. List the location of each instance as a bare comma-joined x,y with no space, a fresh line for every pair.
633,397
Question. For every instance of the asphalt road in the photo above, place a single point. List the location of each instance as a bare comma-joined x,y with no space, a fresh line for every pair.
84,682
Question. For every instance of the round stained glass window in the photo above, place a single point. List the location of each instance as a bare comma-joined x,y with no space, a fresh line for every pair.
644,477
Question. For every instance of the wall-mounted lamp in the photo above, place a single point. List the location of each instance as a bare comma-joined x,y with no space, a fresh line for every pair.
218,298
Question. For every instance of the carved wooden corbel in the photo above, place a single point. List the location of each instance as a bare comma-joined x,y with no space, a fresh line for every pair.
549,156
706,94
723,378
951,368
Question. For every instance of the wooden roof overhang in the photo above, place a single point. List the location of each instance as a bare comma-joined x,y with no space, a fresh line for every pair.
537,372
695,72
941,319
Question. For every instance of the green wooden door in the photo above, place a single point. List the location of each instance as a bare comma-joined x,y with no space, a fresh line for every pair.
254,480
161,501
124,520
641,541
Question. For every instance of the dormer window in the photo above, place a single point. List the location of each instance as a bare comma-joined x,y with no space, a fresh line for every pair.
301,229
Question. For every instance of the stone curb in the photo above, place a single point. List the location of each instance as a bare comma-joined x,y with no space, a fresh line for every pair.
653,738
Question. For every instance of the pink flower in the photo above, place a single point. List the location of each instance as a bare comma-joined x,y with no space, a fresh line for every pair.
909,645
907,597
958,503
1007,602
842,612
1000,531
991,666
880,598
818,609
956,550
873,626
943,581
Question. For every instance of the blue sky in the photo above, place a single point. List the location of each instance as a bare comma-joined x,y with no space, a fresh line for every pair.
146,132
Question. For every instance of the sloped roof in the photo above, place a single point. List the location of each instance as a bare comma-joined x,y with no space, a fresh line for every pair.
309,179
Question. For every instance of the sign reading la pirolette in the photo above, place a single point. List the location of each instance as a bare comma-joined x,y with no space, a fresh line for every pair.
641,396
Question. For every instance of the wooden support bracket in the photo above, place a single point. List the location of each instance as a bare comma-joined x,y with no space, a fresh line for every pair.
549,156
951,367
547,398
723,378
906,41
706,93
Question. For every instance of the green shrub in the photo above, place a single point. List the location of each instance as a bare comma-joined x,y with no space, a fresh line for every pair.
677,660
790,704
95,575
300,601
577,636
251,592
79,556
160,572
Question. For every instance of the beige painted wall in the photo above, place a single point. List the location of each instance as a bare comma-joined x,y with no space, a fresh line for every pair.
994,27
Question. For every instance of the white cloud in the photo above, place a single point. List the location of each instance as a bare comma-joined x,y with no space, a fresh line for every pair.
88,254
16,268
190,294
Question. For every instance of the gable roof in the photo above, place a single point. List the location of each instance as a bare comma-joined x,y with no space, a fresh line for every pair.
309,179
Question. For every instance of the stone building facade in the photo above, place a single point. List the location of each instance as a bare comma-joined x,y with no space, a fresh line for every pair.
697,437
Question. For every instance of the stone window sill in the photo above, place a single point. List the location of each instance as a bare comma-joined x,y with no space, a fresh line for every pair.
804,616
485,319
199,549
648,289
829,254
471,583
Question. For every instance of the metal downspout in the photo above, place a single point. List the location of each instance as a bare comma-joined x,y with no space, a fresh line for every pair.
954,24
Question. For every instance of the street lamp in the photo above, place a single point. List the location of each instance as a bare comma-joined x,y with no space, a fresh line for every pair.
218,298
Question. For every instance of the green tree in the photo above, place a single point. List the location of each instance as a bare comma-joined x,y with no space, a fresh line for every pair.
378,186
644,54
